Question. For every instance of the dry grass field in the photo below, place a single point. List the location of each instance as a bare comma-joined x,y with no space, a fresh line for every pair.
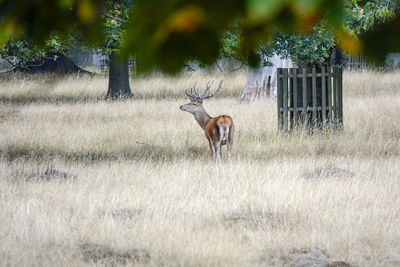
87,181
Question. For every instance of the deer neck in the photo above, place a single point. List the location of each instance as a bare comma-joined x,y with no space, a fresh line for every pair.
202,118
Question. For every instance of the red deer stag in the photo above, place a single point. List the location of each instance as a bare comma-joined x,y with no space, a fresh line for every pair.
219,130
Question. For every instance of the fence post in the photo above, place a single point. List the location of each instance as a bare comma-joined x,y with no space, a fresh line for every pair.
280,98
290,95
335,109
285,99
295,120
340,97
330,94
314,97
305,104
323,80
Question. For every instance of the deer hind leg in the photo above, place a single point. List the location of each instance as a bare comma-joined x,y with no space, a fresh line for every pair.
212,149
217,153
229,141
229,147
223,137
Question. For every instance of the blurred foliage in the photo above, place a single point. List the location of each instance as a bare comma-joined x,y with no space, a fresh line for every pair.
40,19
115,19
19,51
315,46
377,23
381,40
34,29
364,15
23,50
167,33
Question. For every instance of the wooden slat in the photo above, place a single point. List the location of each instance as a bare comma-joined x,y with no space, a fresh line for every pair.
335,110
319,108
330,94
280,98
301,75
340,96
323,80
285,100
290,99
304,80
295,96
314,97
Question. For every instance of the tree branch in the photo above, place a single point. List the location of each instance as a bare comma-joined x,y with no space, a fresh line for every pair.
238,59
35,65
8,60
241,66
112,28
112,17
216,63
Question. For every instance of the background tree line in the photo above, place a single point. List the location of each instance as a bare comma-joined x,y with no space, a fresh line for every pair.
167,34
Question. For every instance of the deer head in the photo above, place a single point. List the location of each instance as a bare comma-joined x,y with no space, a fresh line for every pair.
196,100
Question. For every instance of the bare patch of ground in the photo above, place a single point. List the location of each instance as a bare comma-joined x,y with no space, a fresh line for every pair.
102,254
252,219
327,172
125,214
49,174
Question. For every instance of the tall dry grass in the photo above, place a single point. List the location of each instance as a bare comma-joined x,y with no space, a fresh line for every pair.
88,181
20,88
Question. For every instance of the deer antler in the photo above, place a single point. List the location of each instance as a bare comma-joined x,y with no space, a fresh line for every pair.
207,92
194,94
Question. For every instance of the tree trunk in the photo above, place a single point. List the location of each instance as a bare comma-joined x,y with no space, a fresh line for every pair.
262,81
118,81
336,57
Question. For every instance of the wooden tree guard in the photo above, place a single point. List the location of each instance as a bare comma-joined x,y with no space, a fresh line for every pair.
311,98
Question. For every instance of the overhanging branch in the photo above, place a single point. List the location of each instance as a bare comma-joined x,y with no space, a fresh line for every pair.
115,18
8,60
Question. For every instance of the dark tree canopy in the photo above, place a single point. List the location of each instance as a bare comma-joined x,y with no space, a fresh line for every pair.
167,33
